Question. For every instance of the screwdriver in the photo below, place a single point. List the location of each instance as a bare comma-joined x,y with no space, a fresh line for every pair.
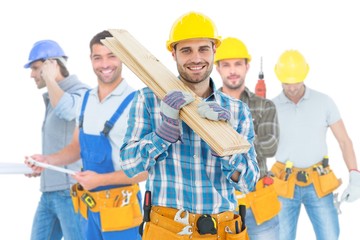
288,167
242,213
147,209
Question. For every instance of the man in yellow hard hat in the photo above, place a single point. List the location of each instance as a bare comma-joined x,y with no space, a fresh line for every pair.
192,188
302,170
232,61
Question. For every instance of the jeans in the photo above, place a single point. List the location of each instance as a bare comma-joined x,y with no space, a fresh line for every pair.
321,211
93,230
55,218
265,231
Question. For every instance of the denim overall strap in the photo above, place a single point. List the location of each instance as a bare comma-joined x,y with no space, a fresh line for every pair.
96,150
110,123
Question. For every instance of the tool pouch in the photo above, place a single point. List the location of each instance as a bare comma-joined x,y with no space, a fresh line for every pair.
153,231
283,188
232,235
264,202
78,205
239,236
117,217
325,184
120,218
74,197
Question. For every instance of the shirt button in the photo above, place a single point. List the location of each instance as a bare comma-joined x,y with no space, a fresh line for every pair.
163,145
233,162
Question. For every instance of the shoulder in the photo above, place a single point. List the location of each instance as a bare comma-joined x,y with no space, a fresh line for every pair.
226,99
146,96
260,102
321,98
278,99
146,92
72,83
317,94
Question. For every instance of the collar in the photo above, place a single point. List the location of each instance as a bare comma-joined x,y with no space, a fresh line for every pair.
118,91
211,97
285,99
246,94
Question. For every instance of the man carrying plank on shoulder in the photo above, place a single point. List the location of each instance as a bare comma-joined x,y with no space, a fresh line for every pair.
192,187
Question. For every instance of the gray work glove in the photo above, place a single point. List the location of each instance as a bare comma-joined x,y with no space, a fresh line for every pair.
352,192
213,111
170,106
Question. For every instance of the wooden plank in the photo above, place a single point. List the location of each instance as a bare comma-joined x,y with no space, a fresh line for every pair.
221,137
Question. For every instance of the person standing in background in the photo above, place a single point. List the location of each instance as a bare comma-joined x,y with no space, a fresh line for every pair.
232,61
104,195
192,188
303,173
55,217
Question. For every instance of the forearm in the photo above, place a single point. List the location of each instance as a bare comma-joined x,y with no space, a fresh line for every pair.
119,177
267,134
242,170
68,155
148,150
349,155
55,92
266,146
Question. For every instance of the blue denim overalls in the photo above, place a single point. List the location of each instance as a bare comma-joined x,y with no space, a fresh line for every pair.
96,156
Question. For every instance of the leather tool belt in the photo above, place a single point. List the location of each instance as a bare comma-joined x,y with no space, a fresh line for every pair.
118,207
174,224
324,181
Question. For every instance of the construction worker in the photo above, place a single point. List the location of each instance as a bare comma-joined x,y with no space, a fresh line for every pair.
55,217
192,188
104,195
232,61
303,174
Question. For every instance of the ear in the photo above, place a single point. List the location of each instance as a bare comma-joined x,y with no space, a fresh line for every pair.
247,67
217,67
173,53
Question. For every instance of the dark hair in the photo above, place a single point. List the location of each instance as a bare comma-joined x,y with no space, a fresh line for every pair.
98,37
63,70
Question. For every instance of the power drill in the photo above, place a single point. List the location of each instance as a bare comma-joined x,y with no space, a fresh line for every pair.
260,88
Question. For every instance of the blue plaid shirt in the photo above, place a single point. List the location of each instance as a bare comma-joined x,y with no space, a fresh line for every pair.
185,174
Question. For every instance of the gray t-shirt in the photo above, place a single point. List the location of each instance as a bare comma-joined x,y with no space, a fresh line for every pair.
303,127
57,131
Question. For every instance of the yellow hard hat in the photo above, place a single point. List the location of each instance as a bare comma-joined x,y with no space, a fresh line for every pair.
231,48
291,67
192,25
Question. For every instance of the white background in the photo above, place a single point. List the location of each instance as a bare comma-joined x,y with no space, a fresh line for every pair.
326,32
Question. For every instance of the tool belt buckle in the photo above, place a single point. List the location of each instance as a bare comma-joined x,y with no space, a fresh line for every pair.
206,224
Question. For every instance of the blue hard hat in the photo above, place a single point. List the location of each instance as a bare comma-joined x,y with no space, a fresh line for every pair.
45,49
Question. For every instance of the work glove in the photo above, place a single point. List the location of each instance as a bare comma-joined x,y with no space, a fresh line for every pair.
213,111
352,192
170,106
